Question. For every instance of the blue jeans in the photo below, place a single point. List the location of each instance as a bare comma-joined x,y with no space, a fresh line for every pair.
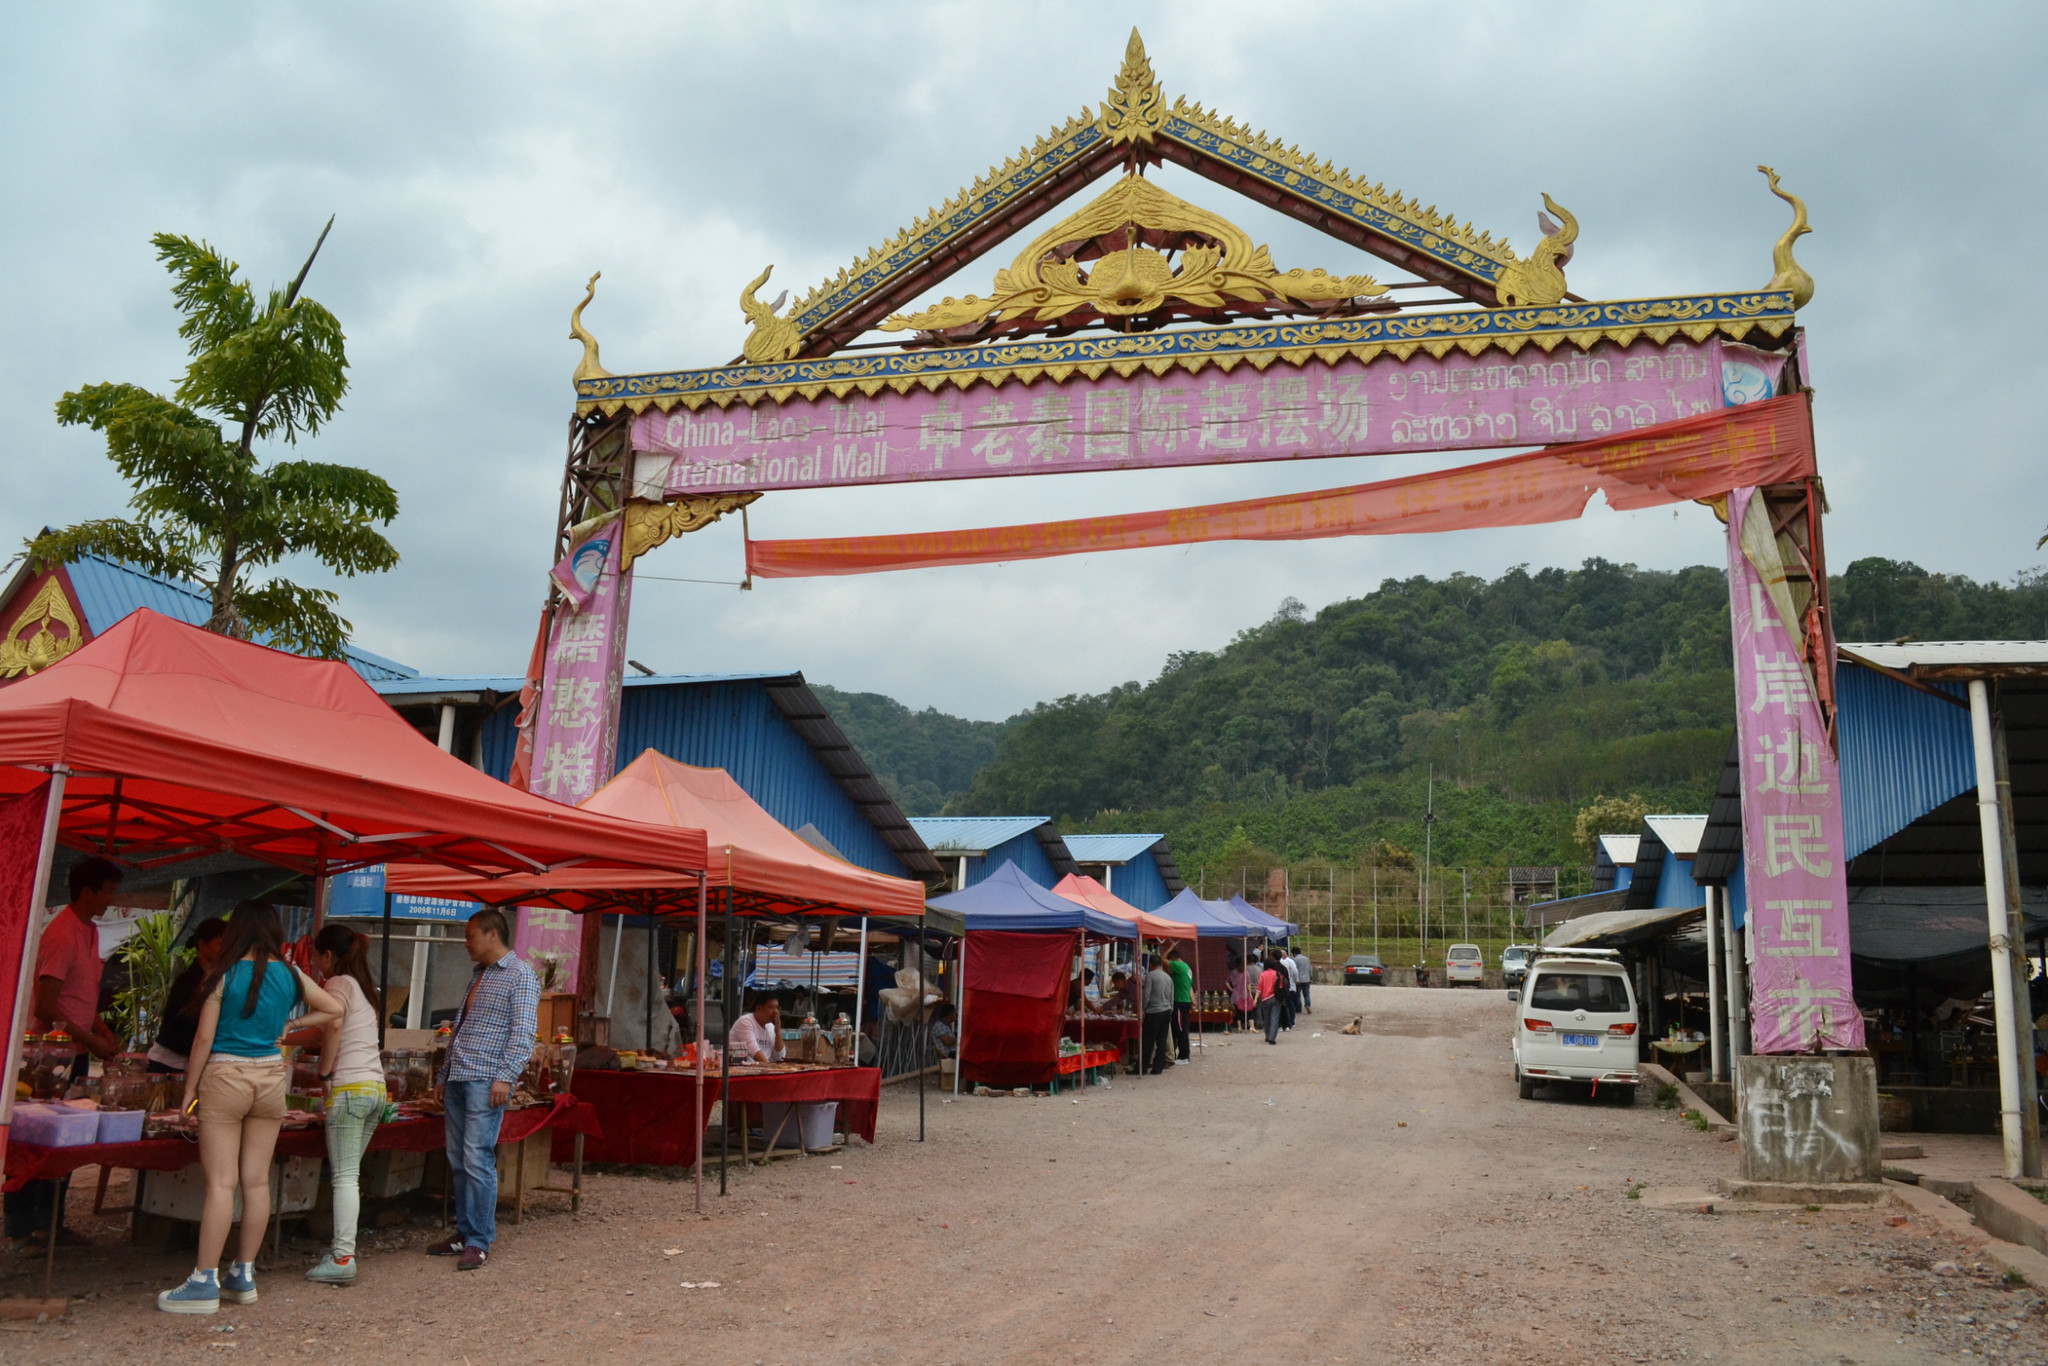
472,1125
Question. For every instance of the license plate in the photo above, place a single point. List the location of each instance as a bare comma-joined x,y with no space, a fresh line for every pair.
1579,1040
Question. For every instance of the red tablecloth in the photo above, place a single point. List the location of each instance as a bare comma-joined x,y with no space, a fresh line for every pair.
857,1089
1122,1034
645,1117
33,1162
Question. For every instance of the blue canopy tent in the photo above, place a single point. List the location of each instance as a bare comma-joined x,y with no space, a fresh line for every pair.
1019,987
1221,934
1254,916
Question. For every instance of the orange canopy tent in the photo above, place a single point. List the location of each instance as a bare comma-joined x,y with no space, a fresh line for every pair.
1089,892
756,865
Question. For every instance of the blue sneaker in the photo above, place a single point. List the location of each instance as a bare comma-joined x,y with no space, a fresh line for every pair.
239,1284
200,1294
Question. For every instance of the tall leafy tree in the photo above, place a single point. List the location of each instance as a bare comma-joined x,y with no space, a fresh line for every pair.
206,505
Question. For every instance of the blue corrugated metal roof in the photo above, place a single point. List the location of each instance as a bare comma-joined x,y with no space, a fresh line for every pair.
972,834
109,590
1903,754
1110,848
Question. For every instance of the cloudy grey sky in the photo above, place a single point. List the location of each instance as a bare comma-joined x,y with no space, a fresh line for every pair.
482,160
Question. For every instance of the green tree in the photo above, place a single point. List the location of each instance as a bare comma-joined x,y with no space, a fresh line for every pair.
207,508
1608,816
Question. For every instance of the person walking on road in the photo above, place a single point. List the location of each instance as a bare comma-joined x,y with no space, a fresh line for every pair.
1183,1002
1155,1050
493,1039
1267,1012
1304,975
237,1077
1288,996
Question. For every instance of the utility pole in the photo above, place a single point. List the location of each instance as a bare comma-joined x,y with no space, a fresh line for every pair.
1375,905
1465,880
1428,835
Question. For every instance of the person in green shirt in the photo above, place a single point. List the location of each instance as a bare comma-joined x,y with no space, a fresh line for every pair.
1183,1002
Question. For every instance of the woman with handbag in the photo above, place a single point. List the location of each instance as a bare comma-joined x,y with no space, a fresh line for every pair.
237,1080
353,1068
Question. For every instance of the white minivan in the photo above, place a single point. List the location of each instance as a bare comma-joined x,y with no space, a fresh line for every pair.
1575,1021
1464,963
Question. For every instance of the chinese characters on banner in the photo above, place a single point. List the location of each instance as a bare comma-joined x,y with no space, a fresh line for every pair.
549,929
1792,851
576,712
1147,421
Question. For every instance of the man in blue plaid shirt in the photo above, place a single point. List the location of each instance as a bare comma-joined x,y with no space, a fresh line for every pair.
492,1041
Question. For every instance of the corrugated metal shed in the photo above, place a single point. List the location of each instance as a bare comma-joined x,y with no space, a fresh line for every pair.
1138,868
1663,873
1614,860
1719,858
109,590
1679,835
1956,658
1112,849
974,835
1903,753
770,732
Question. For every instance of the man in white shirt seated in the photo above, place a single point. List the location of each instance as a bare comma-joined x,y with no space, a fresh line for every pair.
756,1036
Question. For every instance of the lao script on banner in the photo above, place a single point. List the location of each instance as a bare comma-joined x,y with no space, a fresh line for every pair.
1152,421
1792,849
575,728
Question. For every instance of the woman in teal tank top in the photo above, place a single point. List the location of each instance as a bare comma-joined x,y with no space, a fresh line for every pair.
237,1078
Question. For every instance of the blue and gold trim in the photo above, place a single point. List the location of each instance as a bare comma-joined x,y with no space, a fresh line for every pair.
1471,330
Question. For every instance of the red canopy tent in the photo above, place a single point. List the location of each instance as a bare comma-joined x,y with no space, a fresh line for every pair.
158,742
1089,892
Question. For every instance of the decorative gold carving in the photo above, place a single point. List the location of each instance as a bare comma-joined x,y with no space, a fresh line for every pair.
1789,274
588,367
773,338
1121,234
651,524
1136,108
1341,180
43,647
1539,281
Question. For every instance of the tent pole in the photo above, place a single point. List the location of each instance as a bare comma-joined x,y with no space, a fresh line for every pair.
920,1016
1714,983
725,1053
647,1028
860,995
384,973
611,983
31,935
701,1116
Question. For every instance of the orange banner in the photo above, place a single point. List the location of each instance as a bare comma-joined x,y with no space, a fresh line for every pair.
1673,462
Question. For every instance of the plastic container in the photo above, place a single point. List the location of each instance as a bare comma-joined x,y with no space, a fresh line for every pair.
55,1126
120,1126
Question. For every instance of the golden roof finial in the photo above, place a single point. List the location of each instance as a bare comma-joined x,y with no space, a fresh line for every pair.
1539,281
588,367
1136,107
773,338
1787,273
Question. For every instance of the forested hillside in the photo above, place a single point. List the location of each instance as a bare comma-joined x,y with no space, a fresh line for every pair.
1311,736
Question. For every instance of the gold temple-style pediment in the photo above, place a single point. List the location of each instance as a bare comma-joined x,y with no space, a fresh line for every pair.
30,645
1115,260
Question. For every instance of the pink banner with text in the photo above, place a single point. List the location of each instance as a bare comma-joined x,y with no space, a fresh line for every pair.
1158,421
1792,849
577,711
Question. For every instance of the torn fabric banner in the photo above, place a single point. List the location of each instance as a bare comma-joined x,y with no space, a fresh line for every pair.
1690,459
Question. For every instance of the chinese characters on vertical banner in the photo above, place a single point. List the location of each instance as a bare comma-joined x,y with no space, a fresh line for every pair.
1792,851
575,727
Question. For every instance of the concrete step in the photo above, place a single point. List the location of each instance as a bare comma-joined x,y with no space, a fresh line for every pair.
1805,1193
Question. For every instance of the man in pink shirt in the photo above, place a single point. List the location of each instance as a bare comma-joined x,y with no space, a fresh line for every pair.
67,995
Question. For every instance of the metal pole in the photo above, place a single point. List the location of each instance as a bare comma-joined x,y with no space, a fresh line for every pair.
384,973
960,1019
31,936
701,1115
860,995
1714,982
611,983
921,1029
647,1028
725,1053
1734,989
2001,956
2016,934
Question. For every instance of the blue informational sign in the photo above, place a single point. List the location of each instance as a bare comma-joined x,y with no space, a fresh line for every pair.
360,896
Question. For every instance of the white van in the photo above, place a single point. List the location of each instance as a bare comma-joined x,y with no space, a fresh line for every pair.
1575,1021
1464,963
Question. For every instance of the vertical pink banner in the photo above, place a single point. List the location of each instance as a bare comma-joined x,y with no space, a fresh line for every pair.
549,929
1792,849
576,725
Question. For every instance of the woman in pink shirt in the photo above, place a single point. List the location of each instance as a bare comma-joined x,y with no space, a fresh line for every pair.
1269,1004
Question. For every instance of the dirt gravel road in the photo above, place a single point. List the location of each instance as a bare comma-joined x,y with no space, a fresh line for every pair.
1378,1198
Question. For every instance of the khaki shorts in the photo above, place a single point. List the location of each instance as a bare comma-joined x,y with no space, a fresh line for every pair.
235,1089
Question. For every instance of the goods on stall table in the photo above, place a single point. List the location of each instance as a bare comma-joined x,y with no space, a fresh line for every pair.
45,1066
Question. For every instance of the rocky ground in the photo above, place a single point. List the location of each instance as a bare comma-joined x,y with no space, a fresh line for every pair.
1376,1198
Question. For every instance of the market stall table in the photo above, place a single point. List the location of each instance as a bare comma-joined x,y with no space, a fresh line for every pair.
857,1089
1087,1064
1121,1032
418,1134
644,1116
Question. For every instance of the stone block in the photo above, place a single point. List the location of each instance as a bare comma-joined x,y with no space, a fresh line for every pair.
1808,1119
